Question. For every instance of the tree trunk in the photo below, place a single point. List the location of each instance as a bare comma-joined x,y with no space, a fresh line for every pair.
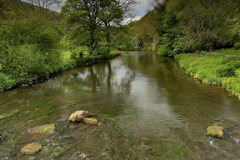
107,38
108,42
210,42
210,46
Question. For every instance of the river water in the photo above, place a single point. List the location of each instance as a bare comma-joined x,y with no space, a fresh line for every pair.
148,106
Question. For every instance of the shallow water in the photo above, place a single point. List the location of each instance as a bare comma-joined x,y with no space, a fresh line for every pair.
148,106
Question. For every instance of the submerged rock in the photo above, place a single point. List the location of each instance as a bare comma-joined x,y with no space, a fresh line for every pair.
31,149
215,131
1,136
48,128
90,121
218,119
79,115
236,134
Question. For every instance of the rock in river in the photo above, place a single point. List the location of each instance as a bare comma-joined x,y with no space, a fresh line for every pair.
31,149
236,134
1,135
48,128
215,131
90,121
78,116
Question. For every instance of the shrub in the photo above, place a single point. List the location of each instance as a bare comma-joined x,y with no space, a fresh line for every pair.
226,71
29,49
5,82
237,45
215,69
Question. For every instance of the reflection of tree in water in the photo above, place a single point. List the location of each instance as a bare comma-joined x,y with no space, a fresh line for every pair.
104,74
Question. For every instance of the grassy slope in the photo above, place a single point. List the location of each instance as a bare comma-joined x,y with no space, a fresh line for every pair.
229,51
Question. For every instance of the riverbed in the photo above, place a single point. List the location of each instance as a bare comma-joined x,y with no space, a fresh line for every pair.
148,108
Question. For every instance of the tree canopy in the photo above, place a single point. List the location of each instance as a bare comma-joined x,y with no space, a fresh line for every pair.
90,17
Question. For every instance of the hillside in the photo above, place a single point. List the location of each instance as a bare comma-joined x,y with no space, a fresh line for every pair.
147,26
17,9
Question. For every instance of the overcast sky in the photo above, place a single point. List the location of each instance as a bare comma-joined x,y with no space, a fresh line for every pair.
141,9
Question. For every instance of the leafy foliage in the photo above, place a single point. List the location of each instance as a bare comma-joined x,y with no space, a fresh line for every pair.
89,18
218,70
6,83
29,49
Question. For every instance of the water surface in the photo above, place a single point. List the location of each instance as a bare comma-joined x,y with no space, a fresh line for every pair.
149,108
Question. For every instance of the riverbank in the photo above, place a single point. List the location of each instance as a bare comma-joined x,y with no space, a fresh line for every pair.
7,82
219,70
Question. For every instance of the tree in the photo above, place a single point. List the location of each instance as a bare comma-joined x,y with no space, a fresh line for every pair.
204,21
89,18
138,41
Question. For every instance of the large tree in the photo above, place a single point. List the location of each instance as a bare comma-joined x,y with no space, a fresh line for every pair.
89,18
204,22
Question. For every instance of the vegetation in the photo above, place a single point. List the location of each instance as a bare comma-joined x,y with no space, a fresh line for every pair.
36,42
215,69
186,26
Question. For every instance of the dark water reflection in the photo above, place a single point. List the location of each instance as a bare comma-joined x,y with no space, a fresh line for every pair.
150,108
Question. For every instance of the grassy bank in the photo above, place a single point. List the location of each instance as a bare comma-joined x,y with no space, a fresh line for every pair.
69,61
229,51
213,69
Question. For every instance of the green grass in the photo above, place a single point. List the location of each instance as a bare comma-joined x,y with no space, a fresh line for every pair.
230,51
213,69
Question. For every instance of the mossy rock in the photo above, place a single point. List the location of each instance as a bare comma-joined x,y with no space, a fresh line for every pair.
48,128
8,115
31,149
90,121
215,131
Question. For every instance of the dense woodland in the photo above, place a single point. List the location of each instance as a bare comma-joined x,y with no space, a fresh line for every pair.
180,26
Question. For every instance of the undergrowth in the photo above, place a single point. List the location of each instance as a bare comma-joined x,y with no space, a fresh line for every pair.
213,69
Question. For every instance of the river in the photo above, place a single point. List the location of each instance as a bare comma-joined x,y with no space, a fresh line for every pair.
148,106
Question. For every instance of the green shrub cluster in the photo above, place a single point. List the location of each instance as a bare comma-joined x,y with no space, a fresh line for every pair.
29,49
213,69
6,83
237,45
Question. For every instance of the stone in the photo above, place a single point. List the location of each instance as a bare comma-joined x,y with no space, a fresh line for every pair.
78,116
1,136
73,127
48,128
217,119
31,149
100,124
215,131
236,134
90,121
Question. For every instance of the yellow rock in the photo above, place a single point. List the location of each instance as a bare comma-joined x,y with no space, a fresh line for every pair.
215,131
31,149
90,121
48,128
78,116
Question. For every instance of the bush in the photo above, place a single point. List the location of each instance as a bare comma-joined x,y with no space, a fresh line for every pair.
237,45
6,83
226,71
237,73
215,69
29,49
